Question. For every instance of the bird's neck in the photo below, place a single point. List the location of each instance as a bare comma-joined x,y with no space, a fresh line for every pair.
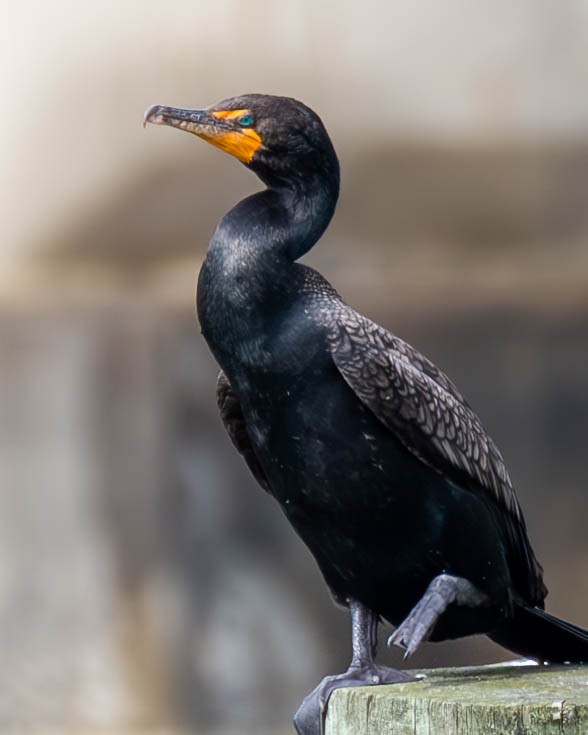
281,222
249,278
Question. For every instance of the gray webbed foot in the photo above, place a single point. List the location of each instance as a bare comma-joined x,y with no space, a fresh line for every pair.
421,620
363,671
309,719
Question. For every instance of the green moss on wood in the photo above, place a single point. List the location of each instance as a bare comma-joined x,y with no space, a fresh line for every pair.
490,700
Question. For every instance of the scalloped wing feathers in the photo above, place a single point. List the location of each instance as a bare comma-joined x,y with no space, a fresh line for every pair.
422,407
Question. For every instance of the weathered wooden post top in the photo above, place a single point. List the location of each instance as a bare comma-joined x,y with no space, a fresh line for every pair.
502,699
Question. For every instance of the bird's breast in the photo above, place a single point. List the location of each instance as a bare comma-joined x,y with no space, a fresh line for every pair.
254,324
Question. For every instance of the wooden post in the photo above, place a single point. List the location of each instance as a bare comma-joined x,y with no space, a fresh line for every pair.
503,699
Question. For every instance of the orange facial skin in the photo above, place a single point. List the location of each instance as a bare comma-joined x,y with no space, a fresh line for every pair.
239,143
217,127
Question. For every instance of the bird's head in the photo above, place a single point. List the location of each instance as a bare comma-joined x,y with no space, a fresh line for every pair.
279,138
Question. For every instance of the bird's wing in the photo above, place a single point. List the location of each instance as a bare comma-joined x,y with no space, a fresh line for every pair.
419,403
425,411
232,417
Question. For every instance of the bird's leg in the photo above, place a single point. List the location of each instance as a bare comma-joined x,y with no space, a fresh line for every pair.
421,620
362,671
364,635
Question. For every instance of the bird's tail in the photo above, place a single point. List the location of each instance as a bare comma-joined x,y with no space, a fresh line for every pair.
534,633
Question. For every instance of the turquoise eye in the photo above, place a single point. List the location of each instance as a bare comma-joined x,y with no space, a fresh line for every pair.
246,120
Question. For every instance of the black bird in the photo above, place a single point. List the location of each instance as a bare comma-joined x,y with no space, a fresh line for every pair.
374,455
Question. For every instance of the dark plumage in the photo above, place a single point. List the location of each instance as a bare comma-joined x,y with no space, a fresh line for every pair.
373,454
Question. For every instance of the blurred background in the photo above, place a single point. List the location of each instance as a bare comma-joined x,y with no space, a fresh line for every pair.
145,581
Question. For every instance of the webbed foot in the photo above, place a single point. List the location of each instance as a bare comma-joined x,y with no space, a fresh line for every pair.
441,592
309,719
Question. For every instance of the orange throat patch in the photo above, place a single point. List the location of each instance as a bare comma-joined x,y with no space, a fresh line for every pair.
242,144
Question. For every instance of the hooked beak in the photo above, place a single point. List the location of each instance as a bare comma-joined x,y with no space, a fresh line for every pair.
215,126
192,121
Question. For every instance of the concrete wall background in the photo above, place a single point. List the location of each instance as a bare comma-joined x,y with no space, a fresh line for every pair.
78,75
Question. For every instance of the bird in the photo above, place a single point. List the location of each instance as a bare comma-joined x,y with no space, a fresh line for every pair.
375,457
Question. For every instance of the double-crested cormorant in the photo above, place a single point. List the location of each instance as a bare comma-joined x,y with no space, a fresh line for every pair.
375,457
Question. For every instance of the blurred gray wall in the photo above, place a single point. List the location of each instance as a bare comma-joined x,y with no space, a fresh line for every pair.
144,579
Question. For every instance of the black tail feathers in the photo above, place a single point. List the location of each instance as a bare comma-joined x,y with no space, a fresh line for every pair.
533,633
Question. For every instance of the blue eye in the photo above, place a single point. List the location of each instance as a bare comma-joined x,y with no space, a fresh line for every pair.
246,120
